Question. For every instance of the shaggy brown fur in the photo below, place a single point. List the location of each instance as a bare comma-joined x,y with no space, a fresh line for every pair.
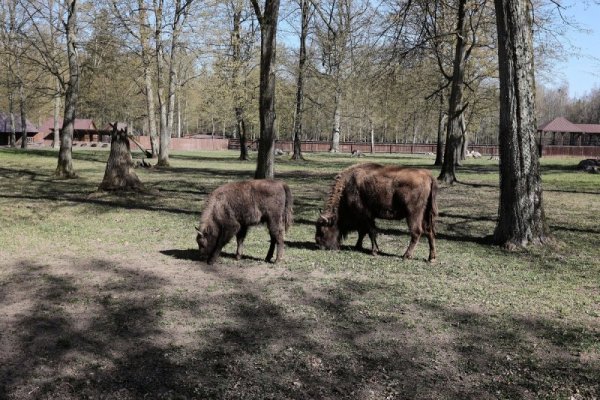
367,191
232,208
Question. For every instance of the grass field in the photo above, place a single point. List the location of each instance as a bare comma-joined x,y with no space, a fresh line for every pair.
103,296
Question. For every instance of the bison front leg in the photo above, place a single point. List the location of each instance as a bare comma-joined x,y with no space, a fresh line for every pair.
213,256
223,238
374,246
359,242
240,236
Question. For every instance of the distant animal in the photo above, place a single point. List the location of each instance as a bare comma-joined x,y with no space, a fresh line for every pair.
232,208
364,192
357,153
590,165
474,154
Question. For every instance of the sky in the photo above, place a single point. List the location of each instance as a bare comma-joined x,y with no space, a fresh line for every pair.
582,73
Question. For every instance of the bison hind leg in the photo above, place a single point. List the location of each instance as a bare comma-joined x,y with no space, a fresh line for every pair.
240,236
374,246
277,235
431,238
415,234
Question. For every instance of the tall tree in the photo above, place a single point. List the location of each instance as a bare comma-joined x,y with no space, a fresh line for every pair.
455,105
9,42
521,219
136,21
180,15
305,10
57,83
241,52
146,56
265,165
165,135
64,168
334,35
167,103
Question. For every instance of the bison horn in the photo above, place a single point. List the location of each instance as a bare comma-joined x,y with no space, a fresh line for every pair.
198,230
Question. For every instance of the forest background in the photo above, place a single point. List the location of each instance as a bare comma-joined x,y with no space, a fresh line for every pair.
378,70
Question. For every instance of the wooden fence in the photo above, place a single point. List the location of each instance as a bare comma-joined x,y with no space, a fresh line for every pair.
208,144
417,148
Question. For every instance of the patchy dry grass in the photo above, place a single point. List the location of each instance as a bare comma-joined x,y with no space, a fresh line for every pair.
103,296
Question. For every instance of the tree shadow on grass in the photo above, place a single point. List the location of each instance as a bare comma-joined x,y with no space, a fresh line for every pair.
113,338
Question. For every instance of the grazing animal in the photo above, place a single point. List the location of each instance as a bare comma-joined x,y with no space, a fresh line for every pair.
357,153
232,208
367,191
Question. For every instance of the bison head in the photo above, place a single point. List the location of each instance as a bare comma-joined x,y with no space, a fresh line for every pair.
327,236
205,241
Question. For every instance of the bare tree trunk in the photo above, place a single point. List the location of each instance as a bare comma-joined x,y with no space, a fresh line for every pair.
240,129
119,174
236,45
165,134
372,131
521,219
149,88
464,146
179,114
10,73
337,119
305,19
56,122
13,126
439,149
455,107
268,27
64,168
172,86
58,88
23,113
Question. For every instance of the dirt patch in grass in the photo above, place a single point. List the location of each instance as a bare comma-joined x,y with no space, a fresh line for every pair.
105,297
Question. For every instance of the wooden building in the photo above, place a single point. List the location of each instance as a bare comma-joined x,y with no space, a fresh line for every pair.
562,132
85,130
5,129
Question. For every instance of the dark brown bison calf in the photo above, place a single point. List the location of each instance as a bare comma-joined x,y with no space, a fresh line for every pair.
232,208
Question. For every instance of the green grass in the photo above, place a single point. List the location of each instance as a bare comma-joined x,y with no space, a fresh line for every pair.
103,295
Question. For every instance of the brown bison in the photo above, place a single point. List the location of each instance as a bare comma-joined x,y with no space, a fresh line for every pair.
367,191
232,208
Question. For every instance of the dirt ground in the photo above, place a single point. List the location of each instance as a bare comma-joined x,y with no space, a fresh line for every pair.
105,298
171,327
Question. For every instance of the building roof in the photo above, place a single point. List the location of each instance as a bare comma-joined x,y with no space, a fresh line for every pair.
5,124
80,125
560,124
589,128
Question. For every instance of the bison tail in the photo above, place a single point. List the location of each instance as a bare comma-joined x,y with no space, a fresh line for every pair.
289,212
431,211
